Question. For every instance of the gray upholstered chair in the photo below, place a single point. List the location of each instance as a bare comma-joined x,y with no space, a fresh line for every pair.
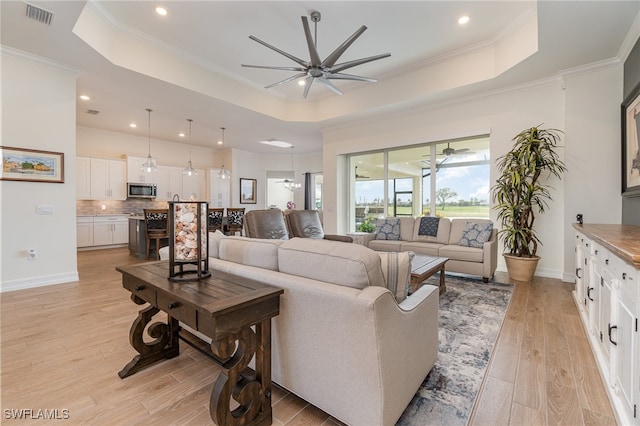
307,224
269,224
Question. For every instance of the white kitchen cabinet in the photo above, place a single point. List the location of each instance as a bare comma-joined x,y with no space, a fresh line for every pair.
108,179
83,178
169,182
609,311
194,186
84,231
109,230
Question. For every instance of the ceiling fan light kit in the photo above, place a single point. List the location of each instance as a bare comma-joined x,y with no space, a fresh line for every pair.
316,69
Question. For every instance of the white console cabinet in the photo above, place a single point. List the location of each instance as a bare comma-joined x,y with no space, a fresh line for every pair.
607,295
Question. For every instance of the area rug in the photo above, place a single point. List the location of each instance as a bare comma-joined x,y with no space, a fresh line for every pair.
471,314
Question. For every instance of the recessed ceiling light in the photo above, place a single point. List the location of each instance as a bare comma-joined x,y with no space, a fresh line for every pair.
301,82
275,142
181,135
219,142
133,125
463,20
161,11
85,97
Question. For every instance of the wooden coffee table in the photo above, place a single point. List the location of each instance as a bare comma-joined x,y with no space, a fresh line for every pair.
422,267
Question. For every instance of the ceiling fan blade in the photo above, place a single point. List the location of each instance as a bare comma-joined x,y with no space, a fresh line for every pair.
307,86
329,84
345,65
335,55
313,51
282,52
340,76
461,150
286,80
274,68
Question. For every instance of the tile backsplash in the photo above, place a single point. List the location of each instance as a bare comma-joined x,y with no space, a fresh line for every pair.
130,206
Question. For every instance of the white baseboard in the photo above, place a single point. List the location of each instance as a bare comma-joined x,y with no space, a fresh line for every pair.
38,281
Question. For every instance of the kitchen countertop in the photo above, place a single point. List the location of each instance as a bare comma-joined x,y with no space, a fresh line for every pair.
622,240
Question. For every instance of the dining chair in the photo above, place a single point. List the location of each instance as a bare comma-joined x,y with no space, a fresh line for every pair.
235,220
157,225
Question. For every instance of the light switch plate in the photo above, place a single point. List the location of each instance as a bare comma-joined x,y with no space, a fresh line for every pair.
44,209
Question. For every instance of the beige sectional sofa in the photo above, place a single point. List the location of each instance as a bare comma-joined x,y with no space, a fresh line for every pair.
462,259
341,341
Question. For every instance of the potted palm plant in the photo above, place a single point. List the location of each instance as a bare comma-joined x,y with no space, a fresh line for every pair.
520,194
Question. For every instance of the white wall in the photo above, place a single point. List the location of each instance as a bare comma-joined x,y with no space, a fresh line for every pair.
255,166
593,152
504,115
38,112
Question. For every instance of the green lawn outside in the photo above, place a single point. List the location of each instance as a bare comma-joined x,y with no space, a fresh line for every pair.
450,211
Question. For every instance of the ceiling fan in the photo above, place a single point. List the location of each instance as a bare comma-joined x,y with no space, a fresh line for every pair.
450,151
316,69
361,176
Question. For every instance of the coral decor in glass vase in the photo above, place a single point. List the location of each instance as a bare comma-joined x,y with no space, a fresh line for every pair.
291,205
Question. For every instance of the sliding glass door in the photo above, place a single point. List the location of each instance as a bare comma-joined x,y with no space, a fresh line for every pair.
448,178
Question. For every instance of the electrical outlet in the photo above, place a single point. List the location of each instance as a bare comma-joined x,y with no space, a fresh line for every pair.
32,254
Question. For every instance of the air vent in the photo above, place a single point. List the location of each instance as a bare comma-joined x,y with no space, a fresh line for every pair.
40,15
92,112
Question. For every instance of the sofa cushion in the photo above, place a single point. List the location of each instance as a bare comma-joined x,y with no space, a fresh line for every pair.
476,234
424,248
465,254
458,225
406,228
442,236
388,228
396,268
262,253
347,264
386,245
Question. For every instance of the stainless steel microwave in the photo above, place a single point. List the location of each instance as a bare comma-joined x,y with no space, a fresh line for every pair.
142,190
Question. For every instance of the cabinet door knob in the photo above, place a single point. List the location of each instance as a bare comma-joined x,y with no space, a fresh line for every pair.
172,305
589,293
578,270
139,288
606,262
624,275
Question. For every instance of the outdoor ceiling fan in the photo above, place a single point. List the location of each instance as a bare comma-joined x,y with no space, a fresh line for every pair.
450,151
316,69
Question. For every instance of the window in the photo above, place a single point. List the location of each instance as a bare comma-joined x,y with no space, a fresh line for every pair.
448,178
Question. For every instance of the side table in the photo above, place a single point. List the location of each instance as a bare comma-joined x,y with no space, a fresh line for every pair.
362,238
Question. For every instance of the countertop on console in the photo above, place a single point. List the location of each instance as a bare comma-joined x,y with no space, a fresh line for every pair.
622,240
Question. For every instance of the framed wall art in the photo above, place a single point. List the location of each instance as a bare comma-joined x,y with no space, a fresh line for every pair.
630,145
248,188
31,165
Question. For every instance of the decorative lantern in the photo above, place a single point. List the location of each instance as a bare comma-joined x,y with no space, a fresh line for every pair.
188,240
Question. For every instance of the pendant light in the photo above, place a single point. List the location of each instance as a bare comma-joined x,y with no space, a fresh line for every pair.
149,166
189,170
291,185
223,173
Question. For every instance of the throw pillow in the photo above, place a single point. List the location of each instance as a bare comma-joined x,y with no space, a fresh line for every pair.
396,268
429,226
388,228
476,234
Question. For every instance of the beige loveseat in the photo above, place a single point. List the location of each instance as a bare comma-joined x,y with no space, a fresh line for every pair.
480,261
341,341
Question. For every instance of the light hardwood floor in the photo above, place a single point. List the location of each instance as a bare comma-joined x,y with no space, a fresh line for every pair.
62,346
